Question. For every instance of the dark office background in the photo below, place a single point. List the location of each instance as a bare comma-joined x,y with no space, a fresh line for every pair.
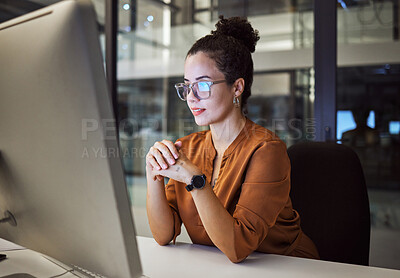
359,108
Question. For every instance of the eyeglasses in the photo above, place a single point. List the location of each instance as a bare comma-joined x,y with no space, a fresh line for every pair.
201,89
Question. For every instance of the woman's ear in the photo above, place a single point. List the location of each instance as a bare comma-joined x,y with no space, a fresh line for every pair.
238,87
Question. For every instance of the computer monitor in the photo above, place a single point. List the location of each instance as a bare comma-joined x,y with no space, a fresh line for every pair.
394,127
345,121
61,175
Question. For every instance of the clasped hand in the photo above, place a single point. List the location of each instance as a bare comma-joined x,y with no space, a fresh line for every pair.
166,159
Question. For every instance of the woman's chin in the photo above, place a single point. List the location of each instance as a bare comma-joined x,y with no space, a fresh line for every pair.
200,122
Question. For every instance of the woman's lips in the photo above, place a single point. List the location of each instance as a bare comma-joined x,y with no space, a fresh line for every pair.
197,111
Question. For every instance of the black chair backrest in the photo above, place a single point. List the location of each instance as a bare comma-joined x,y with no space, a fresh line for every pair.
329,192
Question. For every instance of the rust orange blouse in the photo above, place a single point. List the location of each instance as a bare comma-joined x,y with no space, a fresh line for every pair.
253,185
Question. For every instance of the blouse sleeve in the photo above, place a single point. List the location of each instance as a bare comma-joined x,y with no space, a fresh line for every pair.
171,198
264,194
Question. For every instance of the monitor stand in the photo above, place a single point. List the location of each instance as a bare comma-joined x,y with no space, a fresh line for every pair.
8,218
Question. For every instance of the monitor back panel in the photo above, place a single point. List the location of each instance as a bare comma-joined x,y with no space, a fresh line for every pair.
60,171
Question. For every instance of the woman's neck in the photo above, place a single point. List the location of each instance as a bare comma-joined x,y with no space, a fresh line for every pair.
224,133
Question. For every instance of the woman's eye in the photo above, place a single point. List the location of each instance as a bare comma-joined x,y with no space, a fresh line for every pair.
203,86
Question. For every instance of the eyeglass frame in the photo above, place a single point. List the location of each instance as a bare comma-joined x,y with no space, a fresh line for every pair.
190,87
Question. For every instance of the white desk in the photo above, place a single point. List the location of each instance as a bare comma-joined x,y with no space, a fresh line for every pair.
189,260
31,262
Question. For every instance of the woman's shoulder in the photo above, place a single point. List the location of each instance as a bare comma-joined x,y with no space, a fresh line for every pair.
259,135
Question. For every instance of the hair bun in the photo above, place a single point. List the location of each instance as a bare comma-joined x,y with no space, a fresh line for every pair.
240,29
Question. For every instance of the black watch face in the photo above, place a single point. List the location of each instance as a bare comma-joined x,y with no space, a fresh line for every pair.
198,182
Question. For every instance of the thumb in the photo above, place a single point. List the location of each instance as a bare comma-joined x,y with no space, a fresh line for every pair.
178,144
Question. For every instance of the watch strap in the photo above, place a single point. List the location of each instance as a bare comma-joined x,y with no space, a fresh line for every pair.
189,187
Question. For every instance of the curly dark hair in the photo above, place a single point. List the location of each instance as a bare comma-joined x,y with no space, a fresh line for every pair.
230,46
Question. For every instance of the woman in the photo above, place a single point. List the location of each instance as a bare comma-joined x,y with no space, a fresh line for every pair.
228,185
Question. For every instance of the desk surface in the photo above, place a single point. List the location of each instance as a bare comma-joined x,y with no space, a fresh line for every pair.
25,261
190,260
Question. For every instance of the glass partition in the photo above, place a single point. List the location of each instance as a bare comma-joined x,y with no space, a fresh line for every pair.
368,112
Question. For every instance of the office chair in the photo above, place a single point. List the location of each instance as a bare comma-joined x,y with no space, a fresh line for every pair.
329,192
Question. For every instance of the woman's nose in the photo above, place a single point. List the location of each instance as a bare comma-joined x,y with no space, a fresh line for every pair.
191,97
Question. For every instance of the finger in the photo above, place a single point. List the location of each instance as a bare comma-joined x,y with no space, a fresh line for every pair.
158,178
165,152
153,162
159,158
150,166
172,148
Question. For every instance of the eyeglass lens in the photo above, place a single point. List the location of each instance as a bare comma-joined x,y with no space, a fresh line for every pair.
201,90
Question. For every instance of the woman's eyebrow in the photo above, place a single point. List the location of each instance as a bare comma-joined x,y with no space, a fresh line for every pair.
202,77
198,78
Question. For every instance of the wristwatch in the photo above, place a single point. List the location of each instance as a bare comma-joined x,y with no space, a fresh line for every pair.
198,182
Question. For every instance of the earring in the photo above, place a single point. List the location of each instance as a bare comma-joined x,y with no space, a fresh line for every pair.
236,102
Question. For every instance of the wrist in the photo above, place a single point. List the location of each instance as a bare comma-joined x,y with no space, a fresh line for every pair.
191,174
188,178
206,187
